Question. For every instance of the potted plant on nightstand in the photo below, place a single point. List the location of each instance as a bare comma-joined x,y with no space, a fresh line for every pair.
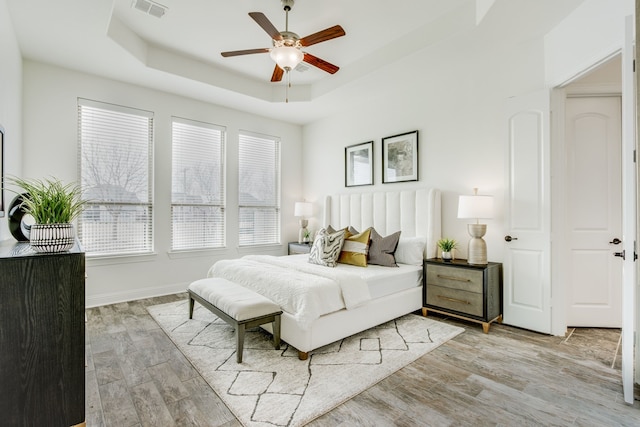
447,246
53,206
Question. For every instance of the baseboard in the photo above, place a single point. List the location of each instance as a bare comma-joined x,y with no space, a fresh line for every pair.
134,294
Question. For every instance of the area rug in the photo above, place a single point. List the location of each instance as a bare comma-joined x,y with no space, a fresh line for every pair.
273,387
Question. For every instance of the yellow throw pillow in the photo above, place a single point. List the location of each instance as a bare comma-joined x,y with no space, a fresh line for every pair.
355,249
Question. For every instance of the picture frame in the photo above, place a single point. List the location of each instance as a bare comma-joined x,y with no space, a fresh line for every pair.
358,164
400,158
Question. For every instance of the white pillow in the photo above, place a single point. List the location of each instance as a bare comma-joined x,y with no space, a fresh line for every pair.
410,250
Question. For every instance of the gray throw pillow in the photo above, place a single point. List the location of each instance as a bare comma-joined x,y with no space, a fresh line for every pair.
382,249
326,248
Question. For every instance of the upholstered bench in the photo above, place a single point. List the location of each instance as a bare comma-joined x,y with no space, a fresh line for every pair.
238,306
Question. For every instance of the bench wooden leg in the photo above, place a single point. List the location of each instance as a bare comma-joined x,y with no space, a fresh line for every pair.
303,355
239,342
276,332
191,303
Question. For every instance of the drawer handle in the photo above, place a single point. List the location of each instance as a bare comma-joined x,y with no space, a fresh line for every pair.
454,299
442,276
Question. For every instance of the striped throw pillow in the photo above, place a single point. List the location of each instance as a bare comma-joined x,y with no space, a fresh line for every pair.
326,248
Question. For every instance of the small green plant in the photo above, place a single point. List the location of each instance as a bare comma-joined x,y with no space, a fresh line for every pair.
447,245
50,201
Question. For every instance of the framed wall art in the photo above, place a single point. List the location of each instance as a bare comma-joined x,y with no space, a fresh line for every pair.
400,158
358,164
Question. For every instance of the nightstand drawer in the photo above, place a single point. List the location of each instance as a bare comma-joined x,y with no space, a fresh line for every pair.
464,279
296,248
455,299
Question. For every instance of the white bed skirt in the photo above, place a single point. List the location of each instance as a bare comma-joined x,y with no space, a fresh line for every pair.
340,324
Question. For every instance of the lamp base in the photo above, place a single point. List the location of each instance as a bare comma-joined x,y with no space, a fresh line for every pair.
477,253
303,233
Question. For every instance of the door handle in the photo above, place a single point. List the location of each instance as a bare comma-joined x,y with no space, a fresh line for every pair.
620,254
615,241
509,238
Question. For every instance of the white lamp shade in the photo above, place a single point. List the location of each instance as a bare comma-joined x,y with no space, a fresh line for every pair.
475,207
303,209
286,57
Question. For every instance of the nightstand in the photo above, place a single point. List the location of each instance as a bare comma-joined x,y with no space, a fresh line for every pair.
299,248
462,290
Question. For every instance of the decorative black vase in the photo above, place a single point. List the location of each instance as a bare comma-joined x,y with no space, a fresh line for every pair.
17,226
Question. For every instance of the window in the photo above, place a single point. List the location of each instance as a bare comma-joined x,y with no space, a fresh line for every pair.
116,161
259,190
197,185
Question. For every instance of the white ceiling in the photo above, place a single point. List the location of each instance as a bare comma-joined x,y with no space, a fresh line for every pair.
180,52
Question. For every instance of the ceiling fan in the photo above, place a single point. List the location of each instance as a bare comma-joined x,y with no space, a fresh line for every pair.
287,46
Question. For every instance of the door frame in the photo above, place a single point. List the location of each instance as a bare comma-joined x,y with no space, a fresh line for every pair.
559,249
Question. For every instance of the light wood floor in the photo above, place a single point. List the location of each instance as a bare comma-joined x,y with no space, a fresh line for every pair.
135,376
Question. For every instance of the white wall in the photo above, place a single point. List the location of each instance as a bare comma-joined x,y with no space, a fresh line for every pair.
50,149
591,34
10,105
453,94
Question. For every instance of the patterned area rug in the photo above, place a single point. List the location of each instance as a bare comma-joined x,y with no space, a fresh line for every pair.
272,387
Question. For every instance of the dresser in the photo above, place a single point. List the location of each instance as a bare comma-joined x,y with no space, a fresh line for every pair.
42,363
462,290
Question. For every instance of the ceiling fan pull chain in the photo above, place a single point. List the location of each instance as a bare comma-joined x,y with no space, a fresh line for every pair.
286,97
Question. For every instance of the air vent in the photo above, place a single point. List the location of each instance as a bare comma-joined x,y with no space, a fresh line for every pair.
150,7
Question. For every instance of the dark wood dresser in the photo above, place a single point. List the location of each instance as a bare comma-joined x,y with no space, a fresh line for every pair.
462,290
42,341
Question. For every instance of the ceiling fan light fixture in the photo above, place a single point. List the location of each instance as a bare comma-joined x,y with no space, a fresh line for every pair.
287,57
287,46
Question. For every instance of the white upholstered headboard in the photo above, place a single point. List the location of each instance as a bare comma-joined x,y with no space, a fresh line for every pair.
415,212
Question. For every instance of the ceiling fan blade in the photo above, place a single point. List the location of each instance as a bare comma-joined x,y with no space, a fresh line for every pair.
266,25
244,52
277,74
320,63
324,35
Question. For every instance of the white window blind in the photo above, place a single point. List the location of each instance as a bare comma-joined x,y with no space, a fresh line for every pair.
259,189
116,165
197,185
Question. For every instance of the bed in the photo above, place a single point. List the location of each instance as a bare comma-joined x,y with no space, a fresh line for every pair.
366,297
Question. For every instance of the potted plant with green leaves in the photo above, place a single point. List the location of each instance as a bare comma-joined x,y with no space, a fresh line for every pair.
447,246
53,206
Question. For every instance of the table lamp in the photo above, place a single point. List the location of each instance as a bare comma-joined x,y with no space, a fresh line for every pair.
476,207
302,210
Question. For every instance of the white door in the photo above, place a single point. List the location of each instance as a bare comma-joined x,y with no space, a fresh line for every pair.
593,127
527,270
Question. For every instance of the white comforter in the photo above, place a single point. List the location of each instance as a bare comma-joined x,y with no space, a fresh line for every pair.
306,291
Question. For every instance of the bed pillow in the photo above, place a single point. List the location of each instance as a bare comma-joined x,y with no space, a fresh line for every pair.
410,250
355,248
332,230
326,248
382,249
